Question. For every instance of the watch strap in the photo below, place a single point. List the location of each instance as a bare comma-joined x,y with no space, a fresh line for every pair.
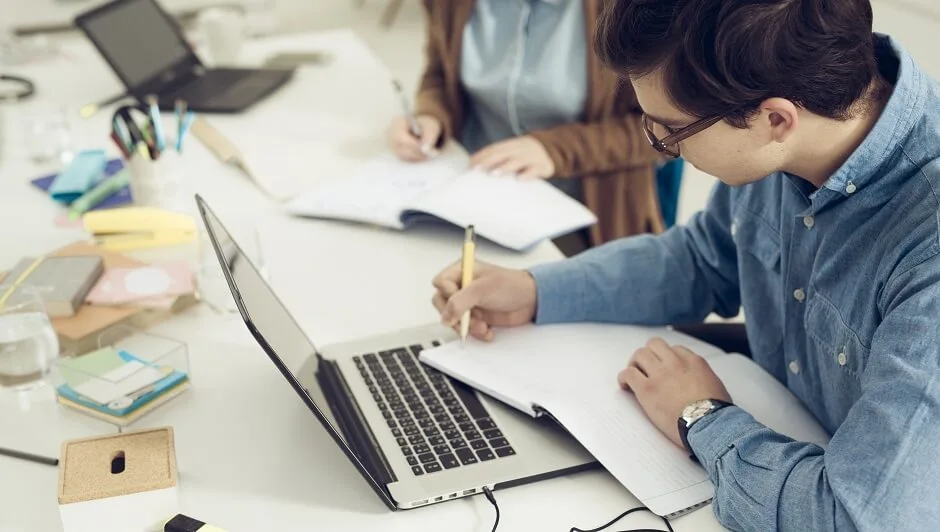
717,405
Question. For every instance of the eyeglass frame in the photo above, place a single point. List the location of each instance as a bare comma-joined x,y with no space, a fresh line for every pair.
673,139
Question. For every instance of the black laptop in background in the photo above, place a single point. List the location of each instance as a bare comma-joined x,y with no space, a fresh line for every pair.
149,53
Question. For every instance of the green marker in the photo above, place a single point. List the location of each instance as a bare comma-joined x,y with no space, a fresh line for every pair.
99,193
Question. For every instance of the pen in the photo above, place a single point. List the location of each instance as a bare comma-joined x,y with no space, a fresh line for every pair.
99,193
180,109
90,109
157,124
412,119
120,144
184,128
466,270
29,456
124,134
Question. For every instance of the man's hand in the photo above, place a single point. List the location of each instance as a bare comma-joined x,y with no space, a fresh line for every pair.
409,147
499,297
521,156
666,379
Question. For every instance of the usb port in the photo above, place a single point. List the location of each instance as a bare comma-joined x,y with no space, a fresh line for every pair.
469,492
439,499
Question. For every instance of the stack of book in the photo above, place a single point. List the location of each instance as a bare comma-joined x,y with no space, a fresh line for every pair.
117,386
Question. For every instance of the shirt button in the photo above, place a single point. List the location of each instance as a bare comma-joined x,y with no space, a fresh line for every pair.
794,367
851,188
843,359
809,222
799,295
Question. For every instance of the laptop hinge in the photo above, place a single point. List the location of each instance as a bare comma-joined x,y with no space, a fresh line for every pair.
351,421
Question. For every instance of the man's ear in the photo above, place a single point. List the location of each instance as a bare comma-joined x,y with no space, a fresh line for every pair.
781,118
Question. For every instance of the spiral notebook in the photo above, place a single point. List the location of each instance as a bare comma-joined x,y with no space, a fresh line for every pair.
569,372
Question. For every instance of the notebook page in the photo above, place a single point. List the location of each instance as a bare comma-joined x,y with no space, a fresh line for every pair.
378,191
511,212
571,371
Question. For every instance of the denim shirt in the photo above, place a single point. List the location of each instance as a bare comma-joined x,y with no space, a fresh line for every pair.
841,288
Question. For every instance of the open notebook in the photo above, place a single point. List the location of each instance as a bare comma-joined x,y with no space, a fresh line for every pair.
569,372
385,191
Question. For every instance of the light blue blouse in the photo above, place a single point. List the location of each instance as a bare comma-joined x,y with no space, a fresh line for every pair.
524,68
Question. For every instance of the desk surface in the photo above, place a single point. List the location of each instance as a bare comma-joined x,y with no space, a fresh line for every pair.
250,455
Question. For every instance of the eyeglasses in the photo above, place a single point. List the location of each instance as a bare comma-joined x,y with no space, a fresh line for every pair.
670,144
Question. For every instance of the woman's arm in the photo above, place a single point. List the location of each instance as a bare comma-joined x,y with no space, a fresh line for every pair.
432,89
614,143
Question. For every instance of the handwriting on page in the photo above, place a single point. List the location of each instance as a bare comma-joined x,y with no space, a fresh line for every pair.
380,190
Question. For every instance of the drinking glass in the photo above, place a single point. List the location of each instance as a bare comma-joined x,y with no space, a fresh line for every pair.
28,343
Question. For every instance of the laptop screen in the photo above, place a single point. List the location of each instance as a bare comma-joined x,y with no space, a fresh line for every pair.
290,347
137,38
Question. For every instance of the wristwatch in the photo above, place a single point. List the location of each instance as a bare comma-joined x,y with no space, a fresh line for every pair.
694,412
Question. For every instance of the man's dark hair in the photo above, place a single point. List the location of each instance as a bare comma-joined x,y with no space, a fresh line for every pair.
716,56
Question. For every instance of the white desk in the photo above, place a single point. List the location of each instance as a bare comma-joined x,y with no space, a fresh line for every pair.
251,457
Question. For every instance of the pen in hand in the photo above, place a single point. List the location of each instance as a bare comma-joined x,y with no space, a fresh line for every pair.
466,267
413,124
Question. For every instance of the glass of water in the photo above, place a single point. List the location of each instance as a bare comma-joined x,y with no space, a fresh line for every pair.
28,343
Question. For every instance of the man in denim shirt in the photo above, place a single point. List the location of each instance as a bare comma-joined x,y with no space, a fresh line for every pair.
825,230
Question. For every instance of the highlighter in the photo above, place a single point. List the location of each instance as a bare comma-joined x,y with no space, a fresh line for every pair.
102,191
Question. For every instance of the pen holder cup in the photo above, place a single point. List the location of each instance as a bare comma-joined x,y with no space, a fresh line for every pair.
130,375
158,183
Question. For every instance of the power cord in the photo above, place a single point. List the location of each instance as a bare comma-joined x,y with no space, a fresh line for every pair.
492,499
489,496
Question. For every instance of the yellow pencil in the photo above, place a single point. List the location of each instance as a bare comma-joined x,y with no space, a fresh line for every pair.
466,277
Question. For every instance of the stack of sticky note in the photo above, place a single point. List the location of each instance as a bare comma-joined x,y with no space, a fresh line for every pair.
117,386
89,182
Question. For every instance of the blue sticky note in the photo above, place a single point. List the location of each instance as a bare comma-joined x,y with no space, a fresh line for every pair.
118,199
86,169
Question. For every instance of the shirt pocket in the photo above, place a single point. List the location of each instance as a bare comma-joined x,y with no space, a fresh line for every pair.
756,240
839,346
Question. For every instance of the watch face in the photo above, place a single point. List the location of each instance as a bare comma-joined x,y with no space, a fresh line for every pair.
696,410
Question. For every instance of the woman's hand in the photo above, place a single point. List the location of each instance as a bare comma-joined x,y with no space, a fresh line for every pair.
407,146
523,156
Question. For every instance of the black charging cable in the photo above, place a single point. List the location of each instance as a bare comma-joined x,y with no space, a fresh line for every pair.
25,88
492,499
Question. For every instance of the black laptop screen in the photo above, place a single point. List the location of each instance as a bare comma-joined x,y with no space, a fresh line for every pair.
138,39
290,349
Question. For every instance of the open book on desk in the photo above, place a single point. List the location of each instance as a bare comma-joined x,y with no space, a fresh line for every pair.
385,191
569,372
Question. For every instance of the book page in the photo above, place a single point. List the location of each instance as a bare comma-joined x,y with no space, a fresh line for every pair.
511,212
379,191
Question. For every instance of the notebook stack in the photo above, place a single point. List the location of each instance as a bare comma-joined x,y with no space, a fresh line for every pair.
117,386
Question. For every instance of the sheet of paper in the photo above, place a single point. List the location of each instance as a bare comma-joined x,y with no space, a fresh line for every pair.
378,191
515,213
120,382
571,370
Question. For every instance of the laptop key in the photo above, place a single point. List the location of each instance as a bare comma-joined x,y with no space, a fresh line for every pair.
457,444
391,423
503,452
422,414
479,444
426,423
436,440
412,461
411,431
466,456
433,431
437,410
452,434
426,458
499,442
442,418
399,414
417,470
416,439
445,426
422,448
432,468
472,435
485,454
371,358
461,418
396,432
486,423
467,427
441,449
382,406
416,349
406,451
449,461
492,433
401,442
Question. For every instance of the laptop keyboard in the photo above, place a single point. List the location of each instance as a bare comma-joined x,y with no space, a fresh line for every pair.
437,422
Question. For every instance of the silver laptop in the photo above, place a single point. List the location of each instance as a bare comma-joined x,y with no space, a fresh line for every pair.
415,435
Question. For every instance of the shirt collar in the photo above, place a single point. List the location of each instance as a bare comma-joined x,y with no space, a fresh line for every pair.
898,118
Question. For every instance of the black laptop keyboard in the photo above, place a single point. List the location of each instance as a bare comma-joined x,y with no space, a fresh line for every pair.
438,423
